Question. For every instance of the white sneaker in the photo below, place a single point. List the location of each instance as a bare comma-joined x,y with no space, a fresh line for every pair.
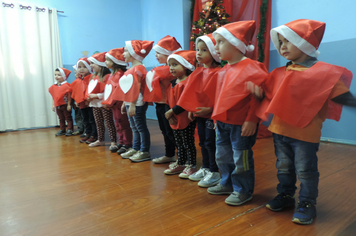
129,153
140,156
97,143
199,175
164,159
188,171
211,179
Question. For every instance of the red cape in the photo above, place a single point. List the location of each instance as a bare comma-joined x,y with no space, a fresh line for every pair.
96,86
297,96
196,92
230,84
110,86
79,87
173,95
157,82
128,89
58,93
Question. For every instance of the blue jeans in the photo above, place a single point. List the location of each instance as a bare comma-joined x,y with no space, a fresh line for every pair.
207,138
295,157
234,157
138,124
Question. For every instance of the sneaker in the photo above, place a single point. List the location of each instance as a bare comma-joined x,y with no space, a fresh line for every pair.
122,149
304,214
164,159
280,202
83,135
174,168
97,143
84,139
69,132
188,171
113,147
220,190
130,152
77,132
210,179
92,139
199,175
140,156
237,199
60,133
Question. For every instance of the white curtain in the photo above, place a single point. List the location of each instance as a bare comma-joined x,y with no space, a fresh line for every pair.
29,53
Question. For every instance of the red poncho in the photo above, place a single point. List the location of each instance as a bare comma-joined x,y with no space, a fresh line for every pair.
58,93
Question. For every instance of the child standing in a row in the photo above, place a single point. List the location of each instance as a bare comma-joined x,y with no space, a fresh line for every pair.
234,110
130,90
157,82
181,64
61,94
78,116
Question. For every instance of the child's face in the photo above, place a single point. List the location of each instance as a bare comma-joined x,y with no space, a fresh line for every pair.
96,68
225,50
203,53
109,63
161,58
58,77
82,69
176,69
289,51
127,55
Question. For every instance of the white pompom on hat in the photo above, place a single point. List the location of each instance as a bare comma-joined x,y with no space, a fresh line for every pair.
306,35
64,72
98,59
239,34
117,56
139,49
167,45
210,43
185,57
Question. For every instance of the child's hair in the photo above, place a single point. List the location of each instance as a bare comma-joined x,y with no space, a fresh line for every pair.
116,68
188,72
215,63
103,71
57,70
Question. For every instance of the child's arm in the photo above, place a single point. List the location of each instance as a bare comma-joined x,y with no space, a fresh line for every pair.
203,111
53,107
257,91
123,108
169,114
69,107
248,128
132,108
346,99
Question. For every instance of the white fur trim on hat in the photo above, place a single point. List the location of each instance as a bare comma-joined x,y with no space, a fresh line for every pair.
233,40
92,59
86,65
116,61
163,51
62,73
302,44
132,51
75,67
182,61
210,46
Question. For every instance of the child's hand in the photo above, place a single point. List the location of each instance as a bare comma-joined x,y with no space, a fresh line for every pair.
92,97
132,110
123,109
203,111
168,114
172,120
248,128
257,91
53,108
69,107
76,104
190,116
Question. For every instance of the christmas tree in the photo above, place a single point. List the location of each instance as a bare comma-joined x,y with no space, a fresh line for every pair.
211,17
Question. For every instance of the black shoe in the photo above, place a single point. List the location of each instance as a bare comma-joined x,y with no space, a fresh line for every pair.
304,214
83,135
60,133
113,148
280,202
123,149
69,132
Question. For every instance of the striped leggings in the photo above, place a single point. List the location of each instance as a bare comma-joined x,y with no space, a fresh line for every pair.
101,115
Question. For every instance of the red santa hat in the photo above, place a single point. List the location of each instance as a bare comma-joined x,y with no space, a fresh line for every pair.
117,56
98,58
64,72
139,49
86,63
185,57
239,34
210,43
75,67
306,35
167,45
